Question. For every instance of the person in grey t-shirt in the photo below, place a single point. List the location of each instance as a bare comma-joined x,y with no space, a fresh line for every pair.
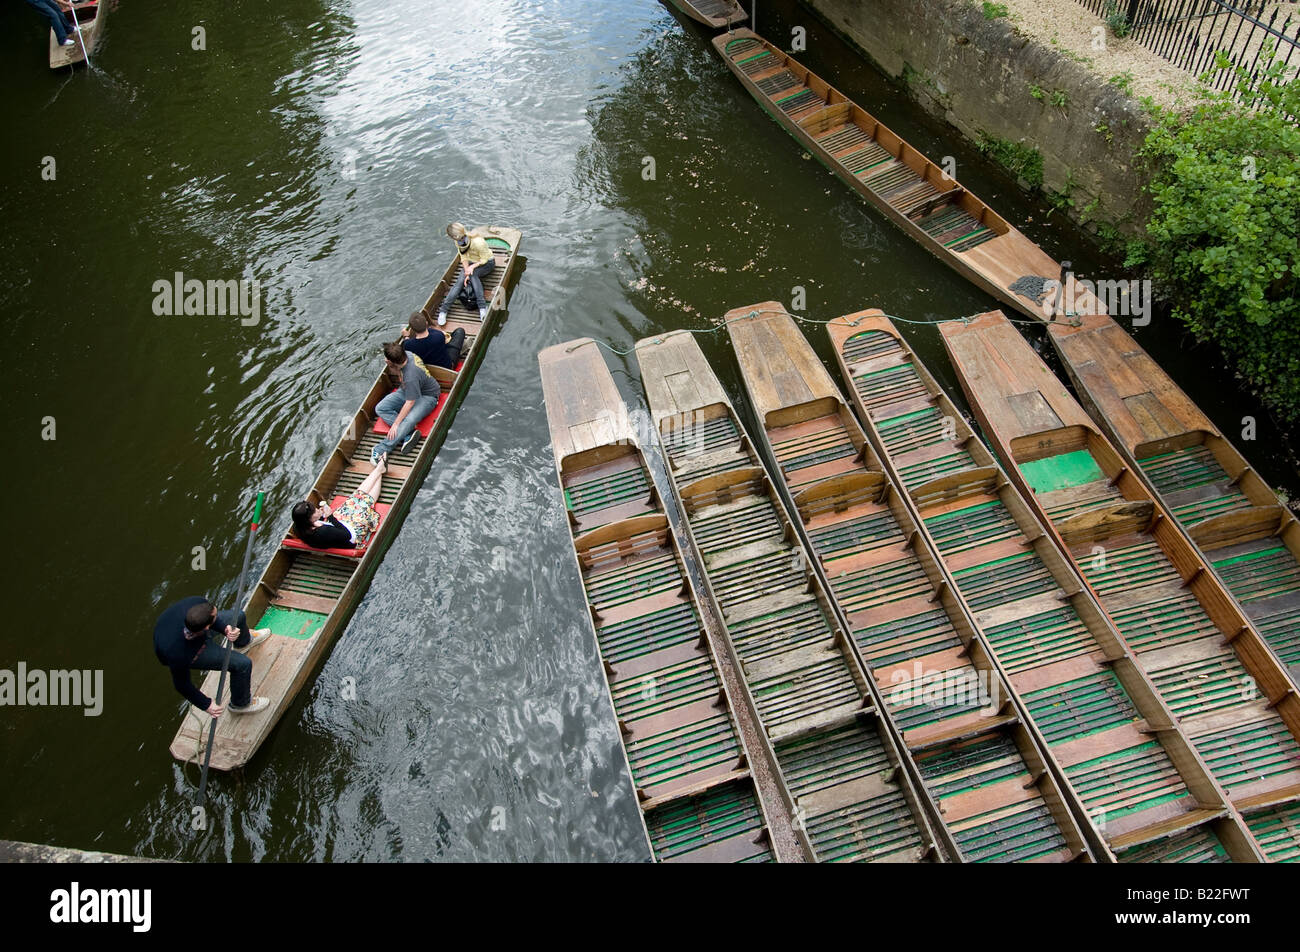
407,405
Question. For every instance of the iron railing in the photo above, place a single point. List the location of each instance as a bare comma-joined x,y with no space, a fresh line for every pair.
1188,33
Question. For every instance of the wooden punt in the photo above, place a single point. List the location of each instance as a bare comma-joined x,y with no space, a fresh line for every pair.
909,189
1205,484
307,595
685,755
718,14
974,761
1122,752
90,15
1230,694
855,796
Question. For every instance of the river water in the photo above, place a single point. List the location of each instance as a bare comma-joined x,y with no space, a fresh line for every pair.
321,147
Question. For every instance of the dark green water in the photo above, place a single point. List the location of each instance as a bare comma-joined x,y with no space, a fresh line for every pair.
321,147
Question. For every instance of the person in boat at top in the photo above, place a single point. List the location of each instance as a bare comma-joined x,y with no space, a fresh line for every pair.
476,263
60,16
432,346
406,406
188,636
351,525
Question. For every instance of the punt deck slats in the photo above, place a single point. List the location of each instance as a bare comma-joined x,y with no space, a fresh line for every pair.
684,753
1136,786
969,749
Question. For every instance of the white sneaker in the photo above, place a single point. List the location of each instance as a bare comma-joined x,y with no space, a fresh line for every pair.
68,42
259,636
482,314
255,705
442,318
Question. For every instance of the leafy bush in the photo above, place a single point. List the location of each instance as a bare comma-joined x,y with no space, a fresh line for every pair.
994,10
1224,237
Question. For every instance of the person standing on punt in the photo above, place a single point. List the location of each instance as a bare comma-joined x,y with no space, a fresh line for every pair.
432,346
59,20
351,525
188,637
476,263
406,406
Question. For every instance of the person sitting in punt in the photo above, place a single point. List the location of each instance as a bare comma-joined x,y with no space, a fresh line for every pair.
351,525
432,346
476,263
58,13
405,407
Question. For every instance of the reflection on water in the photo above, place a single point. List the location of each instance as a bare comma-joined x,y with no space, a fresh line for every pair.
320,146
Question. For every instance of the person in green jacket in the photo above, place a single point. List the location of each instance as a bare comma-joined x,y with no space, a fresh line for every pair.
476,263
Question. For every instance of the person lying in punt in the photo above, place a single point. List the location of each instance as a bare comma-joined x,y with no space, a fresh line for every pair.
351,525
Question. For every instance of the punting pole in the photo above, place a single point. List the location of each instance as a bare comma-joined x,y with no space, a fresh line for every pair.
225,662
76,26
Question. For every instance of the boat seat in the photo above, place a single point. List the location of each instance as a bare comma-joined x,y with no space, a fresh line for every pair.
293,542
425,426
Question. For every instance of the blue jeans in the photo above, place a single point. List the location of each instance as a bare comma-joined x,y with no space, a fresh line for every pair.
214,653
387,410
475,282
52,12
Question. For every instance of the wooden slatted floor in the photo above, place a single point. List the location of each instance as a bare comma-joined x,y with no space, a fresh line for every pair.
1125,778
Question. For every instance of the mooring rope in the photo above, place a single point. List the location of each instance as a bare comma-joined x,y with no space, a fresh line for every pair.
720,324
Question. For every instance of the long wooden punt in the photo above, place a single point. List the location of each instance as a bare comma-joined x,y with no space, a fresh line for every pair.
305,596
1122,753
988,773
717,14
1252,542
686,757
1230,694
909,189
849,786
90,18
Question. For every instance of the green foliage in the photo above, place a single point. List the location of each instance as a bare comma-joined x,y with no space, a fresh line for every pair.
1059,99
1224,237
1037,92
994,10
1024,161
1056,97
1123,82
1117,20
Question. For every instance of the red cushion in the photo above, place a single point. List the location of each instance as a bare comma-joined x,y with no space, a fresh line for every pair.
293,542
425,426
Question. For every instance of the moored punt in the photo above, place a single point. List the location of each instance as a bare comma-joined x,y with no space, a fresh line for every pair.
90,18
1252,542
1231,696
996,799
305,596
685,755
713,13
1121,751
819,713
909,189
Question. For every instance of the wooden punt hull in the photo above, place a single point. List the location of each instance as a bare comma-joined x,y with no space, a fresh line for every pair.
1119,748
1231,696
839,761
1228,511
900,182
685,755
990,775
718,14
90,17
306,596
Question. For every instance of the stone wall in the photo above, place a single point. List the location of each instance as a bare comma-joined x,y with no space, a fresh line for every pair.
980,75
